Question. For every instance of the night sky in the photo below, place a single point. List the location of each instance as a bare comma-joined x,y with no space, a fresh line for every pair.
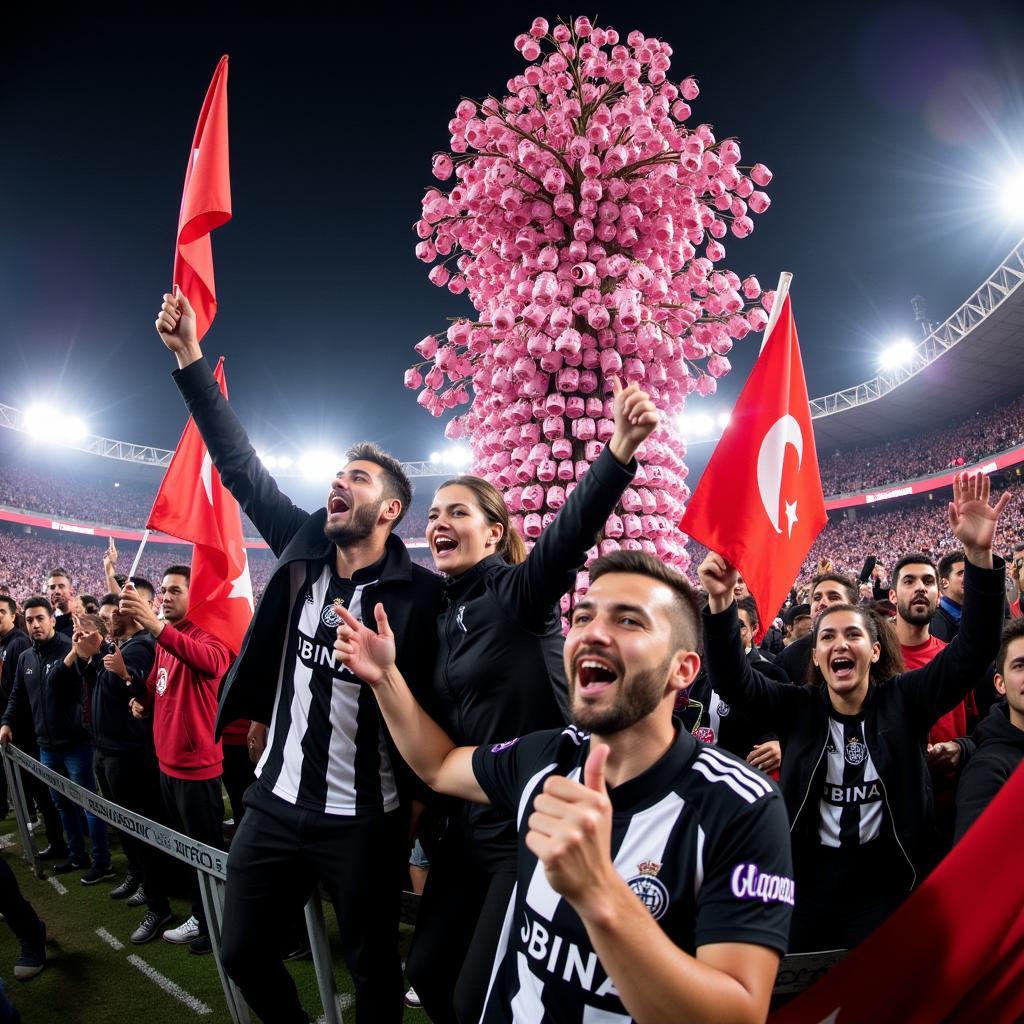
889,128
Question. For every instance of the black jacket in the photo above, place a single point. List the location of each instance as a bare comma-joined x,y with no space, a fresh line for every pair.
499,670
114,728
410,594
795,658
897,713
943,625
999,749
53,691
11,647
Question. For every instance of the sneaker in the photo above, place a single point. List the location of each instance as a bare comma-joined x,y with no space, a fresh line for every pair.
97,873
411,999
72,865
32,958
54,853
300,951
138,898
184,933
201,945
127,888
149,927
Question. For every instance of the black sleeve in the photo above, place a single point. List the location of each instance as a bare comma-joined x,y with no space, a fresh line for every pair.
939,686
793,661
504,769
138,661
748,891
980,782
529,591
17,693
275,515
771,704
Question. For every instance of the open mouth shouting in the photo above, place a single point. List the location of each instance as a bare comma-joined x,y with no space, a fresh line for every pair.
842,667
444,545
338,505
594,675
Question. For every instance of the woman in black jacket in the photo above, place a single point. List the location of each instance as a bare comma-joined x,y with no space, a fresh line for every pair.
854,775
499,675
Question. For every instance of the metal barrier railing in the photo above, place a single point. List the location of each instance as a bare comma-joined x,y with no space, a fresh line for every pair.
209,863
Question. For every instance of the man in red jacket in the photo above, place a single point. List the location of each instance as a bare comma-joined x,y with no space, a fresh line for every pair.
182,692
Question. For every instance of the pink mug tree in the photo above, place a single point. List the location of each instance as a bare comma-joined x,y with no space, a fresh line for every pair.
586,225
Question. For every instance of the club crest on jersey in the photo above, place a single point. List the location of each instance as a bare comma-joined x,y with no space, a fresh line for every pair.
330,617
855,750
649,888
704,733
723,709
161,680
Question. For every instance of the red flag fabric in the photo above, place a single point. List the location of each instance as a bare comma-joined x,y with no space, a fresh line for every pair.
759,503
205,201
193,505
954,952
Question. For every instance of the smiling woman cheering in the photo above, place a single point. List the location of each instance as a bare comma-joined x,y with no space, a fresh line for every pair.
854,774
499,675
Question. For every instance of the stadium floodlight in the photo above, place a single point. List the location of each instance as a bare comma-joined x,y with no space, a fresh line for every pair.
284,462
458,455
73,428
723,420
39,421
899,353
319,464
1012,195
435,457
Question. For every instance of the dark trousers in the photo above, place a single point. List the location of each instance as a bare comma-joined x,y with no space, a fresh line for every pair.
238,777
38,793
277,855
458,926
194,807
17,910
131,779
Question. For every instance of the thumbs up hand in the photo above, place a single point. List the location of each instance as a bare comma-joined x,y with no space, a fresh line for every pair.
570,831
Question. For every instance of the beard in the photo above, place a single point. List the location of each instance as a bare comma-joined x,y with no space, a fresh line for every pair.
914,614
360,525
639,695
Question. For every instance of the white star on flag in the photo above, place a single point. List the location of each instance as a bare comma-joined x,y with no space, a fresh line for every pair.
241,585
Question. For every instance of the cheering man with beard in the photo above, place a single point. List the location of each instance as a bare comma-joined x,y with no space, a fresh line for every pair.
325,806
654,874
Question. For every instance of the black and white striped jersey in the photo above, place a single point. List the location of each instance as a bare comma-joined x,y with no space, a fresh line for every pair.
852,801
700,837
326,749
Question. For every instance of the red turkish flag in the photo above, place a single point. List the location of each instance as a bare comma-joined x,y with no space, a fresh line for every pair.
759,503
205,202
954,952
193,505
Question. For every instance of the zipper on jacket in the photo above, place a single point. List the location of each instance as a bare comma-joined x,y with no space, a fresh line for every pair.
814,771
895,832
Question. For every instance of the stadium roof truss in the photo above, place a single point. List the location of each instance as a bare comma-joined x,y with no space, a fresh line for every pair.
971,317
147,455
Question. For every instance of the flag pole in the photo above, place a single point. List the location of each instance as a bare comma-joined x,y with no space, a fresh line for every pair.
138,555
781,291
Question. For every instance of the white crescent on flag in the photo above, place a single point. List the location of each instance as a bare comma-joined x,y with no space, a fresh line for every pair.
206,476
770,458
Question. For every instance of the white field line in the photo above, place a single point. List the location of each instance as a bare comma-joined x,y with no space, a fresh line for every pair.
194,1004
109,939
57,885
345,1002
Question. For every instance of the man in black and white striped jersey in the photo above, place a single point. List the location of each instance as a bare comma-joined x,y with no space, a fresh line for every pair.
654,876
326,805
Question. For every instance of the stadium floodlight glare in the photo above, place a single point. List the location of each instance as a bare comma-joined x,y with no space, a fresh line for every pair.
74,429
39,421
1012,195
320,465
284,462
435,457
899,353
723,420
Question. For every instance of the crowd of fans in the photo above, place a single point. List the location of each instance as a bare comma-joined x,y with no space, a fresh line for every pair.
965,442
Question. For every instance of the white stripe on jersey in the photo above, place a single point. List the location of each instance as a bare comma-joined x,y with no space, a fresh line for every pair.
736,781
502,951
540,897
714,718
296,578
871,814
647,835
698,874
752,775
592,1015
528,792
527,1006
341,796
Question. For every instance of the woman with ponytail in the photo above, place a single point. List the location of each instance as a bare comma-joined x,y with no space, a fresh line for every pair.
854,775
499,675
